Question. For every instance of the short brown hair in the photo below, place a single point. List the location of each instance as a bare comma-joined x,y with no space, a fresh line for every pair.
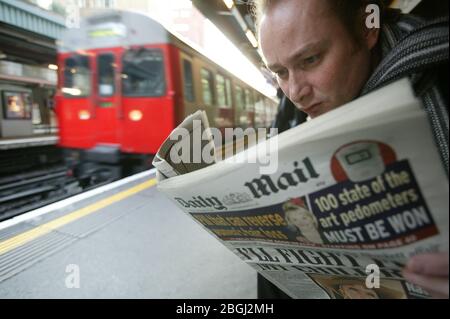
348,11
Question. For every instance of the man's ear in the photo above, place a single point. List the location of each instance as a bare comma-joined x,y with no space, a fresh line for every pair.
371,37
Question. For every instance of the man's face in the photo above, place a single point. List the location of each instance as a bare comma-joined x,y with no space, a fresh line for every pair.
319,65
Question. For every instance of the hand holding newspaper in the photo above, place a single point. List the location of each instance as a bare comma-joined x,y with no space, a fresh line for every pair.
351,196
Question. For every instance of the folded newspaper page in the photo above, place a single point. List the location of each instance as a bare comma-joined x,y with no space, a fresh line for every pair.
194,126
335,205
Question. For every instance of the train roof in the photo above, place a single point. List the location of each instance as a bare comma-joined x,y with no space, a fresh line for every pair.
112,28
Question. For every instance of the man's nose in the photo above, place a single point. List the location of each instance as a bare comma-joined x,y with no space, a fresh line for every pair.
298,89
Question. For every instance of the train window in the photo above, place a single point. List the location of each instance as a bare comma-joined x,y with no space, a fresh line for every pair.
240,98
77,76
259,110
105,69
189,94
248,100
228,87
207,87
221,91
143,73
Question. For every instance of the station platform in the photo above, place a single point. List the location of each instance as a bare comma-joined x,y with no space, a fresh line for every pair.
14,143
122,240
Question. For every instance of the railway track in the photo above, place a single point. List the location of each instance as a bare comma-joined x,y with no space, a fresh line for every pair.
23,192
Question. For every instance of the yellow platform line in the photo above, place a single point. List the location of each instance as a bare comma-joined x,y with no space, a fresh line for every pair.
19,240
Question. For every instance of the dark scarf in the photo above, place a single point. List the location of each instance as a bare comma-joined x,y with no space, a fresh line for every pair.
417,49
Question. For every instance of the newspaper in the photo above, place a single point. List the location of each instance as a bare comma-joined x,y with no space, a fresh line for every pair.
181,138
355,193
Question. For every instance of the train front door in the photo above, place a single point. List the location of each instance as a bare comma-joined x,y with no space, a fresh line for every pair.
107,102
75,101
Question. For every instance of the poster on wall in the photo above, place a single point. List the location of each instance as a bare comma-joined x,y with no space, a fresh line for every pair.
16,105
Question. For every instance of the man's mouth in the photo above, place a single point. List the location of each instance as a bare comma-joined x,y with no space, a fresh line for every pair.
313,110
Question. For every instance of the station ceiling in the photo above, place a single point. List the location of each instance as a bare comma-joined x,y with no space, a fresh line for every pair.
233,23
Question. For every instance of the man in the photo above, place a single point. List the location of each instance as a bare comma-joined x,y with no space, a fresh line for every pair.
324,56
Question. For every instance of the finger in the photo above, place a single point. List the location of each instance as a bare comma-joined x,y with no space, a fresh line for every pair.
438,287
435,264
437,295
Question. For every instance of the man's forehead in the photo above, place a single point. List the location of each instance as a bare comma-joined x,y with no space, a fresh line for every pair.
281,9
292,26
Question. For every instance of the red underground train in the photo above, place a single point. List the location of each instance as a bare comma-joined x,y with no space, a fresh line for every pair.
125,82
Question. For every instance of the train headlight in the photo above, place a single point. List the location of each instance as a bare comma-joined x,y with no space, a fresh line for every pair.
135,115
84,115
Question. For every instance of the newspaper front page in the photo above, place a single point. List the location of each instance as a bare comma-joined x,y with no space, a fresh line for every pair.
353,195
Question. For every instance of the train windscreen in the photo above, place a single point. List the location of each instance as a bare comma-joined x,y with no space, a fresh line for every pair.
77,76
143,73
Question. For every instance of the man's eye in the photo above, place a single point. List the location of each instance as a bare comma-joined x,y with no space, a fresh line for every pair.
281,73
311,60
